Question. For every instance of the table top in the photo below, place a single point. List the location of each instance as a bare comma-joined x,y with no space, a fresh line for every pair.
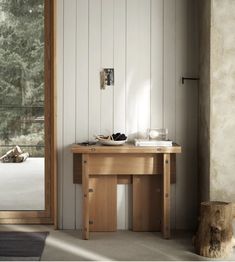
124,149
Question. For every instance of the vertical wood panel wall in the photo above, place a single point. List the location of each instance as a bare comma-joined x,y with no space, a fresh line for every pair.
151,44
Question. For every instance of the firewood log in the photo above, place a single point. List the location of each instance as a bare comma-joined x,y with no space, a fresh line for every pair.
214,237
22,157
14,155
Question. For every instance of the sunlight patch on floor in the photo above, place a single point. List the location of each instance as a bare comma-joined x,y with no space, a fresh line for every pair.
62,245
73,249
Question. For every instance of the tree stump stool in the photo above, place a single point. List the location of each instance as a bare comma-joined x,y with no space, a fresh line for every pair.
214,237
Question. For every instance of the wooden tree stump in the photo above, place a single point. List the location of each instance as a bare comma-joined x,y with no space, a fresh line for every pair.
214,237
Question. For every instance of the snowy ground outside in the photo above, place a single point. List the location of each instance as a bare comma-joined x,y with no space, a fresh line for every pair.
22,185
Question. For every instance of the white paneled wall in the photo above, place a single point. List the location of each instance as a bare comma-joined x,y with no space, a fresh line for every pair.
150,44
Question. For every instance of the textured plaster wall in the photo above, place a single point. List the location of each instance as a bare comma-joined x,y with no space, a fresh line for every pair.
204,99
222,96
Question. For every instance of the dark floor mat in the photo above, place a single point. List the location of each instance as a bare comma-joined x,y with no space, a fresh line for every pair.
22,244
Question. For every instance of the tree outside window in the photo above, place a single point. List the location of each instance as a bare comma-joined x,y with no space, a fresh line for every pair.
22,75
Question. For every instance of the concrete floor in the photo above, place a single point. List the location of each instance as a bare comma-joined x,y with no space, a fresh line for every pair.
66,245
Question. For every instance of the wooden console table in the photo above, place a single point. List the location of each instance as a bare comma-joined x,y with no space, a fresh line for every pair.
113,164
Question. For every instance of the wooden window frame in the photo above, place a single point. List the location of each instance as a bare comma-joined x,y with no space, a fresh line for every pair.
49,215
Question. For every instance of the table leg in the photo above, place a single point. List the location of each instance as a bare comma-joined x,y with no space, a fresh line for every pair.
85,189
166,183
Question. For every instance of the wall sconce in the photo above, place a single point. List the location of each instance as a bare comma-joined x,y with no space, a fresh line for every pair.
106,77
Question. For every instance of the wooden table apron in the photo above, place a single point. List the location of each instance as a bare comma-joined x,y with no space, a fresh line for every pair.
92,163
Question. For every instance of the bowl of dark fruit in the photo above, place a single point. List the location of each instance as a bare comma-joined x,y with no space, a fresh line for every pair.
113,140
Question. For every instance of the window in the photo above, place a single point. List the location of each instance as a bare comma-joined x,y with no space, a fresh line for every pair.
22,76
26,102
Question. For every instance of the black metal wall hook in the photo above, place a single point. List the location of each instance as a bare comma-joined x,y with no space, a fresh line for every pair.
189,78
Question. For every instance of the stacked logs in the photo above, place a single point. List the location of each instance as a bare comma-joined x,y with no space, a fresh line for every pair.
15,155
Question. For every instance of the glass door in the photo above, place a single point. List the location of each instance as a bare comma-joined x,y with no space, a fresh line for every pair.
25,89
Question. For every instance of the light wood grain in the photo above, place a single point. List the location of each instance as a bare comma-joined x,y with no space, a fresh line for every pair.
107,164
25,215
85,191
147,203
127,148
121,164
27,221
103,203
166,197
59,86
124,179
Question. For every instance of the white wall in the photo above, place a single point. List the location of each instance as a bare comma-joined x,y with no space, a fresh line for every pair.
151,44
